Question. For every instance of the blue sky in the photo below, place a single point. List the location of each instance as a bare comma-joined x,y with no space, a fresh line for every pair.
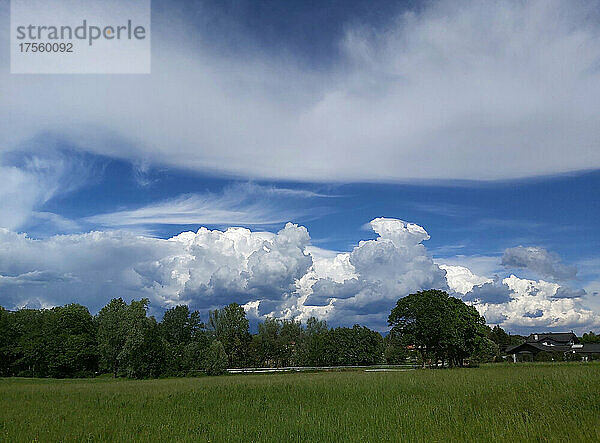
468,218
476,122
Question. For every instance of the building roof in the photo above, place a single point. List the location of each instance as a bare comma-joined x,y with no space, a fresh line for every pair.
591,348
588,348
537,347
564,337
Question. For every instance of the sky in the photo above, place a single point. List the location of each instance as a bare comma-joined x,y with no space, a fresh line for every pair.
316,158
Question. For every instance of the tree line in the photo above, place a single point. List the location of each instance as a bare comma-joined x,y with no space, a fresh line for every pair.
123,340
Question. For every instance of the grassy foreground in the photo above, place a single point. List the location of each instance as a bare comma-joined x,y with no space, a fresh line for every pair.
548,402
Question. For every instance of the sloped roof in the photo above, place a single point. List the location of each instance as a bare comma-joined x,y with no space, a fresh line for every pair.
554,336
588,348
537,347
591,347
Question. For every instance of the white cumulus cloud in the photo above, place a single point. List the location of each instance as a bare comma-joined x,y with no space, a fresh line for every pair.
461,279
275,273
373,276
279,274
524,305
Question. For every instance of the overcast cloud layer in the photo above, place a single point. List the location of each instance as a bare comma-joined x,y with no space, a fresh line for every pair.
457,90
270,274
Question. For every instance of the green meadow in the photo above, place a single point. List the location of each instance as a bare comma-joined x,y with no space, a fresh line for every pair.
533,402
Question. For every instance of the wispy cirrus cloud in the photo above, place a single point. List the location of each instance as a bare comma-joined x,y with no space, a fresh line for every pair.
32,177
242,204
443,208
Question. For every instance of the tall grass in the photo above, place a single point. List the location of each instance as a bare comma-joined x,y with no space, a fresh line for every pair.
547,402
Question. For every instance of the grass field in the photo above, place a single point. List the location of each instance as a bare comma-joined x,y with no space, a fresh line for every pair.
535,402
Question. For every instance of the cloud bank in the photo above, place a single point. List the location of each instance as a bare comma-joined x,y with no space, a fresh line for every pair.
271,274
522,305
468,90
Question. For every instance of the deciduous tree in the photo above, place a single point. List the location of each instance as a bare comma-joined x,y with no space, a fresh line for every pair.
216,359
439,326
230,326
112,321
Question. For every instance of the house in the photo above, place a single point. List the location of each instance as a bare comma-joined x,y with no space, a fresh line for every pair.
553,342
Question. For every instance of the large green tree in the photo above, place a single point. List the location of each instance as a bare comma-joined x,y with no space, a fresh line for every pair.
112,323
467,334
185,339
590,337
58,342
30,346
499,336
440,327
420,320
290,337
230,326
179,325
266,344
72,346
353,346
313,346
129,342
143,353
277,342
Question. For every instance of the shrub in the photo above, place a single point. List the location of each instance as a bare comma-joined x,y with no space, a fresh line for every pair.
543,356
